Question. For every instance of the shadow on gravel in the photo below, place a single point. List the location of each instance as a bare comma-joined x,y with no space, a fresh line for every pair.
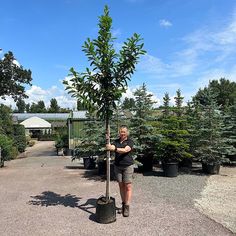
193,171
88,174
182,171
46,153
154,173
48,198
74,167
93,175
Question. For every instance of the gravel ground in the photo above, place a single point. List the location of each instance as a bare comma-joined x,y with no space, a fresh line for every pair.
218,199
48,195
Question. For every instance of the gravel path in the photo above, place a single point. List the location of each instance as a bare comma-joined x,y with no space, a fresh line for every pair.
218,199
48,195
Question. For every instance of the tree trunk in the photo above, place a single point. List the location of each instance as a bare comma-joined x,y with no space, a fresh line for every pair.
108,160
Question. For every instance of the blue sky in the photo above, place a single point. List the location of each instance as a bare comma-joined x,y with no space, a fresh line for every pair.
188,42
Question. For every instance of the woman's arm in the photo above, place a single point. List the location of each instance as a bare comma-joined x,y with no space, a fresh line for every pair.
111,147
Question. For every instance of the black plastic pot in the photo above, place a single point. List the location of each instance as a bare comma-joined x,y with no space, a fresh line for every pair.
232,158
89,163
102,167
147,163
209,168
186,163
170,169
106,210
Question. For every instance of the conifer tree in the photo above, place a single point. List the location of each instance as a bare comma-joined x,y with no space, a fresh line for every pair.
142,131
179,103
229,131
20,105
209,145
93,138
174,145
193,115
166,105
54,107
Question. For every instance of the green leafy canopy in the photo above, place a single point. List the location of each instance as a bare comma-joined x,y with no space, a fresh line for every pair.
102,85
13,78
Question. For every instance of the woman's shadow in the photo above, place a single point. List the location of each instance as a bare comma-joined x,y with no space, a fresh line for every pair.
48,198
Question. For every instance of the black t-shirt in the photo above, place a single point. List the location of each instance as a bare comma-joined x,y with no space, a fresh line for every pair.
124,159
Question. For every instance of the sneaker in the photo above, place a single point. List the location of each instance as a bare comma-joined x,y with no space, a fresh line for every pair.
126,211
121,210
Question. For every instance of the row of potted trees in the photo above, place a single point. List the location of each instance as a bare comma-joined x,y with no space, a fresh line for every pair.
202,132
175,136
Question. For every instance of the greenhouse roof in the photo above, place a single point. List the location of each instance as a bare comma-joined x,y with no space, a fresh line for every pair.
78,115
35,122
51,116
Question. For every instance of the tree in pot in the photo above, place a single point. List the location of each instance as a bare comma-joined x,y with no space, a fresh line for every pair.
193,115
174,144
182,116
210,144
229,132
142,131
92,145
102,86
62,142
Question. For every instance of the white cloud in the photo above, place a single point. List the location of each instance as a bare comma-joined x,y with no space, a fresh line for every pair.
130,94
116,33
63,67
215,74
228,36
8,102
206,55
181,66
67,78
220,45
36,94
15,62
152,65
165,23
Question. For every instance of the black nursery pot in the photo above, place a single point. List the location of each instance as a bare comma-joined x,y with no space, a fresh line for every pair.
170,169
106,210
89,163
211,169
102,167
232,158
147,163
186,163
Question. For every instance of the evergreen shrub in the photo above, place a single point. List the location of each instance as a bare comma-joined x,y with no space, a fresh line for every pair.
19,137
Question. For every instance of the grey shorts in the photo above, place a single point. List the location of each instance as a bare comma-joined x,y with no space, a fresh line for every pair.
124,174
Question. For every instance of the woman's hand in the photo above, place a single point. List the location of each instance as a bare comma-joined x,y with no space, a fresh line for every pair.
110,147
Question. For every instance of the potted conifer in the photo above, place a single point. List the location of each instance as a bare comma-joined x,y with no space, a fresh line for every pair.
209,146
91,145
229,132
173,147
174,144
142,132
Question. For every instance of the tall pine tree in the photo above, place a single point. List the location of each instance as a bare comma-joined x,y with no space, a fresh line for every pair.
229,131
209,130
142,132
